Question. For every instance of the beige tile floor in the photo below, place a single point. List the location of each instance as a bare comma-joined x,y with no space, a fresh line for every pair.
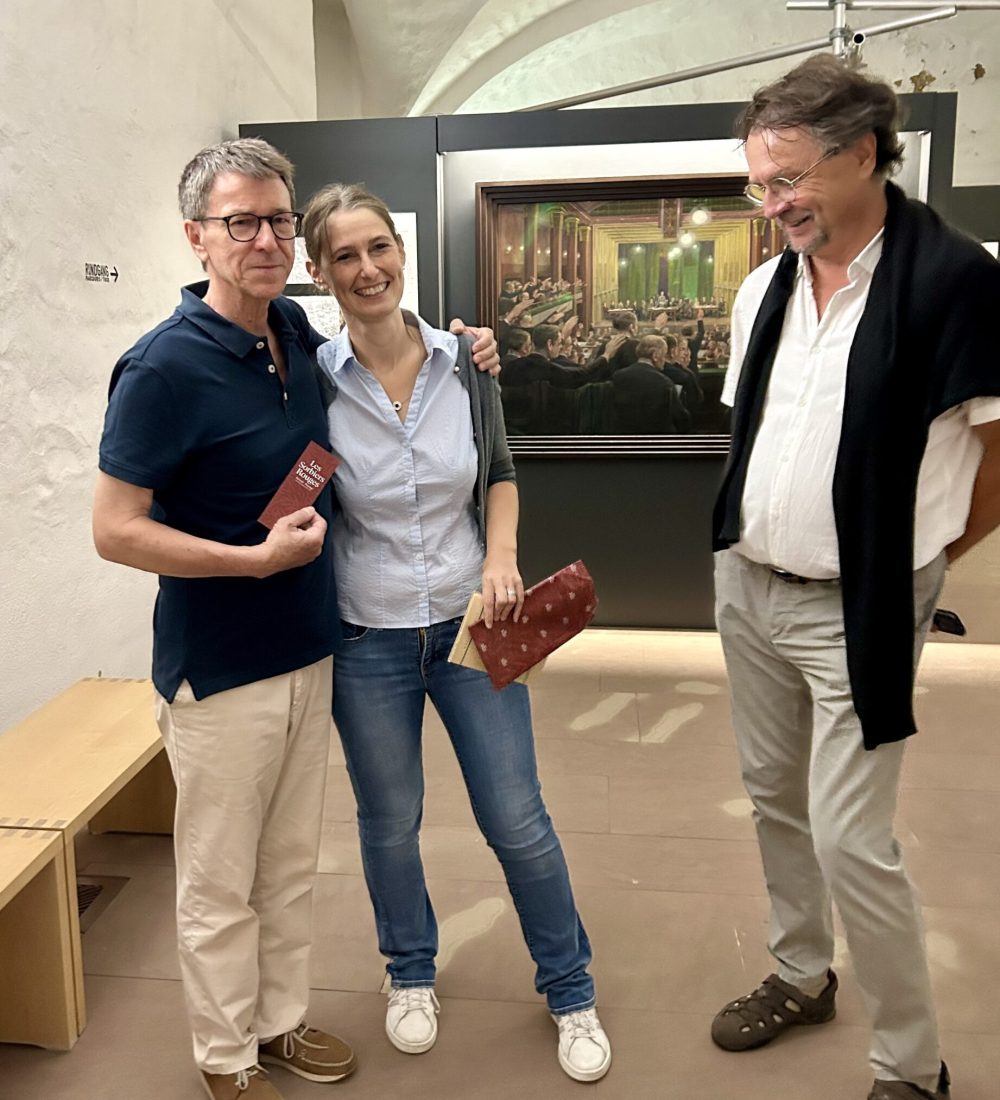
640,775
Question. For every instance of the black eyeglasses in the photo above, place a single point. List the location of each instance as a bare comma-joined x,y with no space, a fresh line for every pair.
245,227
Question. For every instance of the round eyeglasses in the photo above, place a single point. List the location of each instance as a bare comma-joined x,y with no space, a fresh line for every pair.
245,227
782,190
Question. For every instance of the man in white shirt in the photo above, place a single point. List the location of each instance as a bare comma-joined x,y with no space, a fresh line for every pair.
865,457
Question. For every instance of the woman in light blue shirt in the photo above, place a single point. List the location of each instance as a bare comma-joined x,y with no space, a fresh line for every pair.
428,515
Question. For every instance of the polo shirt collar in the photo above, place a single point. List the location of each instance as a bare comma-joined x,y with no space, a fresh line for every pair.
237,341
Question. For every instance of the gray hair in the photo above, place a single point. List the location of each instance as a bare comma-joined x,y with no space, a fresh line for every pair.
328,200
648,344
245,156
835,104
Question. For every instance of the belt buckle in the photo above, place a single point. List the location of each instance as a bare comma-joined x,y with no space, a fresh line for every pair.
788,578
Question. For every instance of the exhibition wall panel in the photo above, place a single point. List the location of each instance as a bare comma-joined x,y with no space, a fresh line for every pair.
637,514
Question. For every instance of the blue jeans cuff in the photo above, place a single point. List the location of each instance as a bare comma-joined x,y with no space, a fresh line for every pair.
566,1010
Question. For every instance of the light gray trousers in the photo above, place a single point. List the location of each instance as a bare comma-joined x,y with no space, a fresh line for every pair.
823,804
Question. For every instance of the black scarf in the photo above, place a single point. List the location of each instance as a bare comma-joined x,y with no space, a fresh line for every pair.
925,343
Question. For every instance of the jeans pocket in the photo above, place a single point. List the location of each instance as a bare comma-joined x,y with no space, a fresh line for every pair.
351,632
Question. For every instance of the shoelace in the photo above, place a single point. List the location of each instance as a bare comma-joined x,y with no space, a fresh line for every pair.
244,1075
413,998
579,1025
298,1035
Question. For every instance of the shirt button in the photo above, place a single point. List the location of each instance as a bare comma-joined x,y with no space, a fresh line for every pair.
271,368
457,368
260,345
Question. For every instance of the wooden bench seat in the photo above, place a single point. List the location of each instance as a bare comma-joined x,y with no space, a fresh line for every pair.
92,756
38,990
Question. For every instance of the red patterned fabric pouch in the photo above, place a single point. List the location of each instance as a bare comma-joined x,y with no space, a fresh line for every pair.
554,611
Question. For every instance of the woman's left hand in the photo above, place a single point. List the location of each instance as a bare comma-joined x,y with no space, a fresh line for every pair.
485,353
503,590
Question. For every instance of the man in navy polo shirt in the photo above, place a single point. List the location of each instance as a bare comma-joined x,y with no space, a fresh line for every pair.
207,414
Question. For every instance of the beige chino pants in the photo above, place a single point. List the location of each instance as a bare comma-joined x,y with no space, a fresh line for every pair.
824,805
250,766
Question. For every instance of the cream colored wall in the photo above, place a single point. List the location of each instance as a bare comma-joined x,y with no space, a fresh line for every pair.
339,81
101,104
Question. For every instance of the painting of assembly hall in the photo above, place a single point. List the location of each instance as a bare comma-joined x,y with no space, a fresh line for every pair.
613,312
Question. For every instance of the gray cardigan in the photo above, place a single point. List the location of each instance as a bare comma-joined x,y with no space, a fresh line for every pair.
494,461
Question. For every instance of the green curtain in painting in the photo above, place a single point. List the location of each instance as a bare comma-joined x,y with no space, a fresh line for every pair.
639,271
689,275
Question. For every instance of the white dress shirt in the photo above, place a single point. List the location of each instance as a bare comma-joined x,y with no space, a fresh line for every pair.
787,516
406,543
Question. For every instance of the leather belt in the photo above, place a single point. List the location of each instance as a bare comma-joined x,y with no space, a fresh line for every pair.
794,578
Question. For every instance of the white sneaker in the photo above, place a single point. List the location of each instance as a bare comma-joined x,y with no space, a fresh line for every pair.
584,1048
411,1018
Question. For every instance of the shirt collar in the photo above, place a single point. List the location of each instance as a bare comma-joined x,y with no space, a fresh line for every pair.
238,341
340,351
863,264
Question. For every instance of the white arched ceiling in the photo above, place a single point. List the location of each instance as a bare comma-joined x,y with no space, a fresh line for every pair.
501,35
447,56
399,44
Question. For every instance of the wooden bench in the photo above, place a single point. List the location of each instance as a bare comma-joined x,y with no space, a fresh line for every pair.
92,756
37,983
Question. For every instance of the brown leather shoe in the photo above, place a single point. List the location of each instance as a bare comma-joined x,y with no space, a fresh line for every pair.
248,1084
310,1053
772,1008
907,1090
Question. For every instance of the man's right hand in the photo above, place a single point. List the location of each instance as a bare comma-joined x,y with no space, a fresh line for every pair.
614,344
295,540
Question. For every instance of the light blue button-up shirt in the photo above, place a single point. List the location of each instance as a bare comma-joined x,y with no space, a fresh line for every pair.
406,546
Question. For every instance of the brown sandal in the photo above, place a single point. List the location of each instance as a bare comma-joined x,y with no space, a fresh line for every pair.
774,1006
906,1090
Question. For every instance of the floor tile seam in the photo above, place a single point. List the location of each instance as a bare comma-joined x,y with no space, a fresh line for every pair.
680,836
762,893
911,845
993,789
992,910
84,870
629,834
432,879
631,888
129,977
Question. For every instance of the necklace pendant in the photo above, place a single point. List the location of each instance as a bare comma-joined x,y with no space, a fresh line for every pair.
397,405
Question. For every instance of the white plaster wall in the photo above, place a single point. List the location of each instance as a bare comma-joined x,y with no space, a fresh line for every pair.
338,71
102,102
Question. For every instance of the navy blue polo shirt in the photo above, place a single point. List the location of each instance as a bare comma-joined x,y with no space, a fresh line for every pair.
198,413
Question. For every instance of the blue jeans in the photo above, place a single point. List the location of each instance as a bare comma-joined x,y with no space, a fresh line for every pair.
381,679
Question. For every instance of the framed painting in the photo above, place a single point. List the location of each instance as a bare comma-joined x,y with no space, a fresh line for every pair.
611,301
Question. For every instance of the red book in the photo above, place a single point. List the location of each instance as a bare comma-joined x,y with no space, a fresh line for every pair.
303,484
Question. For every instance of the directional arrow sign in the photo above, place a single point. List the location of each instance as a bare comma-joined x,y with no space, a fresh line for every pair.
114,274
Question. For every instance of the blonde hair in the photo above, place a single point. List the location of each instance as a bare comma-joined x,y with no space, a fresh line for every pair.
328,200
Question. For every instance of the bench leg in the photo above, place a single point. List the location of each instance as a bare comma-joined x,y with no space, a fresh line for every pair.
145,805
40,970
